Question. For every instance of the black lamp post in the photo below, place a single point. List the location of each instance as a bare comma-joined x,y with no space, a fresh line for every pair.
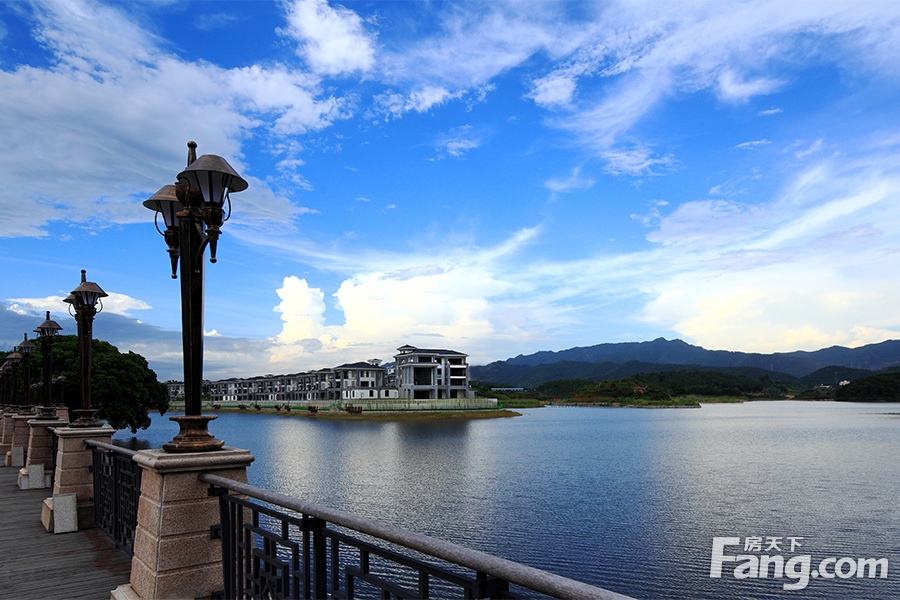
83,300
47,330
193,212
4,395
14,359
25,348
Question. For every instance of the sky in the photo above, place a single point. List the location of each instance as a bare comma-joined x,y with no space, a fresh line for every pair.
495,178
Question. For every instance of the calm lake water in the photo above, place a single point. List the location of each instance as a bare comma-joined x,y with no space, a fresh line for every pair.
627,499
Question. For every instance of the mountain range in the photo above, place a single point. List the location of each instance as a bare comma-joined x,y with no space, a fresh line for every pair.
620,360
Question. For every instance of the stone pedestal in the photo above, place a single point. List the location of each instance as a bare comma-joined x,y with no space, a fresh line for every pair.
174,556
6,431
73,475
21,431
39,453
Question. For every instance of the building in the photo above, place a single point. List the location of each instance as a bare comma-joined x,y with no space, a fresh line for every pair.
430,374
416,374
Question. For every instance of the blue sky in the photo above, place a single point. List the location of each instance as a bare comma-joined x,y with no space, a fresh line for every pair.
493,177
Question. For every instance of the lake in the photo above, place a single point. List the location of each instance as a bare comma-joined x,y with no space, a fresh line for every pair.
627,499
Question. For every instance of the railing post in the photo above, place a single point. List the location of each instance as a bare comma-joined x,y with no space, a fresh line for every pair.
320,559
19,448
228,533
6,431
35,474
175,555
73,476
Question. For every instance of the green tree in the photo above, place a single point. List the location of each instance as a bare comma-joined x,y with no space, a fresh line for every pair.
123,387
884,387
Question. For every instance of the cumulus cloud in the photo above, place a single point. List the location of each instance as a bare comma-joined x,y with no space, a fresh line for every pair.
553,90
332,39
459,303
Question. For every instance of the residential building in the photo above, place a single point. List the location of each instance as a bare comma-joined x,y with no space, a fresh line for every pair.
421,374
432,374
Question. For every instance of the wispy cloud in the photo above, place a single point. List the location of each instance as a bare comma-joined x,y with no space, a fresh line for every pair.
753,144
458,142
572,183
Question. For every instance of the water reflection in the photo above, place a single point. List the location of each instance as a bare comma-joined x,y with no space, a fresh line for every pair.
622,498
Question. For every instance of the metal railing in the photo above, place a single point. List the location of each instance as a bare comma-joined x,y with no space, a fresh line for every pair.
286,549
117,490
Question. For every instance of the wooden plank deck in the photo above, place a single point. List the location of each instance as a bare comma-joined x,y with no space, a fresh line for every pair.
38,565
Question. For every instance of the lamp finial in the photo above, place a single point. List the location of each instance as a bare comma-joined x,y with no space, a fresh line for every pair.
192,152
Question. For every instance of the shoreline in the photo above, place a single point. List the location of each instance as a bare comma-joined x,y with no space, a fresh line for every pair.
382,415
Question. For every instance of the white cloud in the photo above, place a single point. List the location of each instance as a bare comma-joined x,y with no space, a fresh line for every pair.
799,272
332,39
460,302
393,104
117,304
635,55
807,149
636,161
121,304
105,81
731,87
458,141
573,183
553,90
753,144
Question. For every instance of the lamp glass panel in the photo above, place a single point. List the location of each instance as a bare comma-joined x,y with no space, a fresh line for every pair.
213,185
169,211
88,298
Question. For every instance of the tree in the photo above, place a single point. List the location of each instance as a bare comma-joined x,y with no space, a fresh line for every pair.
123,387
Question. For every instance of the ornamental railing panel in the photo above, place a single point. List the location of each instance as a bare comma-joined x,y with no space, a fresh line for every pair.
117,491
276,546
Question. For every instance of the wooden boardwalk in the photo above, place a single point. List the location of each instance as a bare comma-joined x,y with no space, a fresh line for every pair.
38,565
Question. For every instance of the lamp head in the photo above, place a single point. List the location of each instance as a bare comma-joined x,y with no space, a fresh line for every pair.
214,178
166,203
26,346
87,293
48,328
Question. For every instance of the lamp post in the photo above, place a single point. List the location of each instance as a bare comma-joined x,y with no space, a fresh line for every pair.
47,330
4,371
14,359
25,348
83,300
193,212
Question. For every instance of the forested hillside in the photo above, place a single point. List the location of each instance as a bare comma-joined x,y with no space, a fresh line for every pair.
618,361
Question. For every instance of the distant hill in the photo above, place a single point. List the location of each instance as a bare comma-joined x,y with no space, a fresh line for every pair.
617,361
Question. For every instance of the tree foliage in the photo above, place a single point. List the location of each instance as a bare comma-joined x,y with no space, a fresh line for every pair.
123,387
877,388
